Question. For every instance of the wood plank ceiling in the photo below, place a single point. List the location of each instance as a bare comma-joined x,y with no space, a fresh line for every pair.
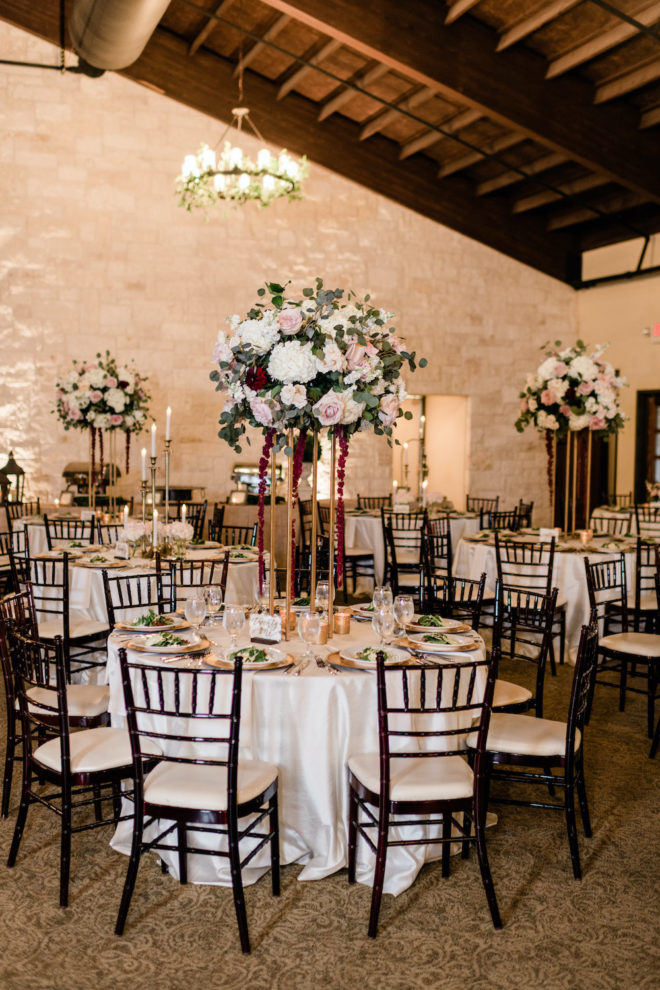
532,126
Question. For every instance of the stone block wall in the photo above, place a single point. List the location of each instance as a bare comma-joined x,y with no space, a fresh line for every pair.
96,254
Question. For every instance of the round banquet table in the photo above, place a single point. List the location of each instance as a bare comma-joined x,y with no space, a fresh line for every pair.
473,556
603,514
364,529
307,726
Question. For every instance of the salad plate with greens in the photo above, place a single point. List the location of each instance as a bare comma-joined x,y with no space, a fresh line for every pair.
441,642
254,658
434,623
365,611
366,657
153,621
169,642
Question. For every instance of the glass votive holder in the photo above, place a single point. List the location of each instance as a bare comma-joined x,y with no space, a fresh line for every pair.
586,536
293,621
342,623
322,638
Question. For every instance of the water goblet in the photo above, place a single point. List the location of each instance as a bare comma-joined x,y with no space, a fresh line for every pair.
382,596
404,610
234,623
309,627
262,594
323,595
195,613
213,599
384,624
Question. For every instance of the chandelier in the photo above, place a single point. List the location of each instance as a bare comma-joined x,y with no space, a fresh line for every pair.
207,178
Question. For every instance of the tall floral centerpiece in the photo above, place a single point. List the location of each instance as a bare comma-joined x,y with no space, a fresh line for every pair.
573,390
296,365
102,396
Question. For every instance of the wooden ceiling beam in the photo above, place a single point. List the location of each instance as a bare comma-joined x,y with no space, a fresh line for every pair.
209,27
451,126
347,94
460,61
580,214
460,162
328,49
628,81
600,233
650,117
545,196
252,52
533,22
385,117
511,176
457,8
602,42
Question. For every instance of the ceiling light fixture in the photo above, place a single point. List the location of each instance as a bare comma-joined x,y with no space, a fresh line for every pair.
206,180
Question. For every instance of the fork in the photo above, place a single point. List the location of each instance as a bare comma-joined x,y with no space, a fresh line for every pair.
322,662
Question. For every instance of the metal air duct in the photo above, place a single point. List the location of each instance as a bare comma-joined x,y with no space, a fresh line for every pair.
112,34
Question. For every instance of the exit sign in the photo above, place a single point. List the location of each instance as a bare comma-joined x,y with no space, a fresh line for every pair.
655,331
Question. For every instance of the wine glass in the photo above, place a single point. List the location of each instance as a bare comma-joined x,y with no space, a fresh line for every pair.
309,627
262,594
382,597
213,599
195,613
384,624
234,623
323,595
404,610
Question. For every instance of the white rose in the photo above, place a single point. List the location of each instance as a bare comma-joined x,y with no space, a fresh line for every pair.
547,369
115,399
96,377
294,395
333,359
292,362
583,367
352,409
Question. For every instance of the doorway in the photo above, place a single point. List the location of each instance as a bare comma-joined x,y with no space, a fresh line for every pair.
647,442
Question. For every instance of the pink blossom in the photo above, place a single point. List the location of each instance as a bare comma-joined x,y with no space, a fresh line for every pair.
397,344
329,409
547,397
73,413
372,350
597,423
524,405
584,388
115,419
389,407
111,382
355,355
96,396
261,411
289,320
560,369
565,410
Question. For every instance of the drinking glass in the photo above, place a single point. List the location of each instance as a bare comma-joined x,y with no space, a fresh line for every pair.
323,595
234,623
404,610
195,613
213,599
309,627
384,624
263,596
382,596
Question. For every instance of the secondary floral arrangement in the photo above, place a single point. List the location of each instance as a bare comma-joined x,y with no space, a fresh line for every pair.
304,364
102,395
653,491
571,390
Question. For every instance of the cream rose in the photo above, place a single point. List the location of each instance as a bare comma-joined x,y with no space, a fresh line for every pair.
329,409
289,320
389,407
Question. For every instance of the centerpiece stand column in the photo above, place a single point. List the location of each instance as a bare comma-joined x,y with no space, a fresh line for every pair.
331,536
315,522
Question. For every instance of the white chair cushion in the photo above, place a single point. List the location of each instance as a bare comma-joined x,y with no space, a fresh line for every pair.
358,552
508,693
82,699
634,643
92,750
407,556
442,779
185,785
647,601
525,735
78,628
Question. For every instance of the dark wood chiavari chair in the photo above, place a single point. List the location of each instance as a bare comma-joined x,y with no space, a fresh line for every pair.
197,792
216,521
64,531
195,515
182,575
86,767
613,525
474,503
648,520
620,500
437,533
525,510
430,777
127,595
526,750
358,560
643,607
232,536
19,510
108,534
504,519
402,537
656,735
453,597
374,502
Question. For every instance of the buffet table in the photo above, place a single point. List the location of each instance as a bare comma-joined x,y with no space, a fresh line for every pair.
307,725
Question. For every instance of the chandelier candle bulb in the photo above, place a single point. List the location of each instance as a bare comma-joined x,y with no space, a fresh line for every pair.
263,158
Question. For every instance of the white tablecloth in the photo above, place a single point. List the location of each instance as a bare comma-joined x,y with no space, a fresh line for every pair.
603,514
307,726
363,530
472,558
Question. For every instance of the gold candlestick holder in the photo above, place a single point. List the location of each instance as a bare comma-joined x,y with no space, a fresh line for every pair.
153,501
168,444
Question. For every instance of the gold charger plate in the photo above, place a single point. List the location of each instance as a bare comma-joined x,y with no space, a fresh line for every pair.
454,626
437,649
337,660
284,660
202,644
179,624
57,554
101,564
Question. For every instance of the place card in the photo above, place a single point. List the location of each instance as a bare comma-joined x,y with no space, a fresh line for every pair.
122,551
265,628
545,535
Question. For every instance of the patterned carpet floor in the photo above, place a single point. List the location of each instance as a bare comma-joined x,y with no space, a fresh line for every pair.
597,934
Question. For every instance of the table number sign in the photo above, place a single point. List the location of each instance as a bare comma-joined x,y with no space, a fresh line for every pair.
265,628
122,551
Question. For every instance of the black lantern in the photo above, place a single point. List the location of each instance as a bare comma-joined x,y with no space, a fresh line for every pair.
15,477
5,484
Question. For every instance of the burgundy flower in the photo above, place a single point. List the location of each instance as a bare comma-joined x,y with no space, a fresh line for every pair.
256,378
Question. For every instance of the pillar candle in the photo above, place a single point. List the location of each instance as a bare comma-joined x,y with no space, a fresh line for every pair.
144,463
168,423
125,514
183,513
153,439
405,453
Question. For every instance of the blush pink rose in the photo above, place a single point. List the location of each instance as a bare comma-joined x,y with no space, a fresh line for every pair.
355,355
584,388
565,410
372,350
289,320
329,409
115,419
547,397
389,407
524,405
597,423
73,413
111,382
96,396
261,412
560,369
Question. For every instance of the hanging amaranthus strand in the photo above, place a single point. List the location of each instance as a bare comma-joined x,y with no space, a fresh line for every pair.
93,464
296,468
128,451
549,446
263,473
101,460
341,476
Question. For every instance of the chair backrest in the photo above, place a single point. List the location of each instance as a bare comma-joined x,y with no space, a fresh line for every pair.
232,536
38,665
182,575
374,501
620,500
614,525
16,617
428,710
64,531
525,510
584,677
306,511
645,573
18,510
128,594
529,616
474,503
172,707
648,520
506,519
216,521
525,565
607,588
108,533
454,597
195,515
437,534
50,591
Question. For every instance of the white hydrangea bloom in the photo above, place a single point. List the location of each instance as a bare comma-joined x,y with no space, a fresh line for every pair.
352,409
96,377
260,335
583,367
546,421
558,386
546,371
333,358
115,399
292,362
